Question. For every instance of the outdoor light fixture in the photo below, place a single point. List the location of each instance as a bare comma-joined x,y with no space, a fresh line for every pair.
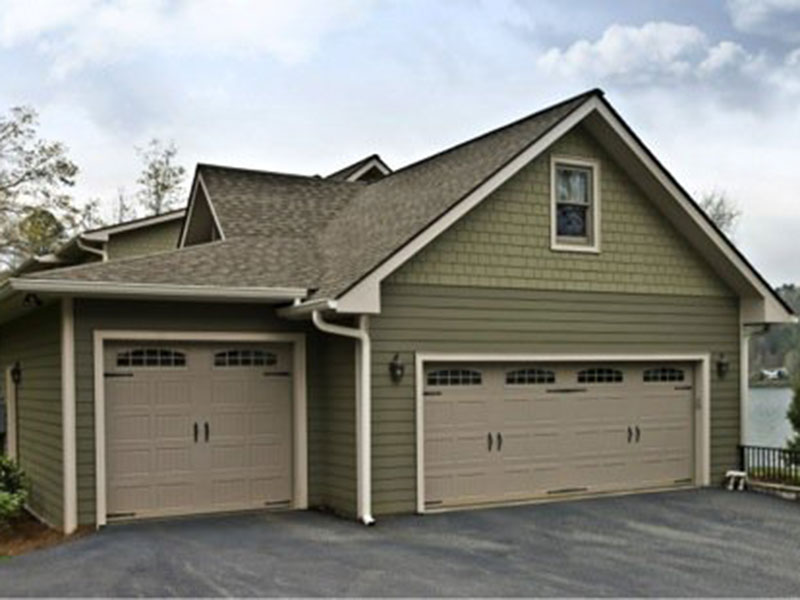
32,301
396,369
16,373
723,365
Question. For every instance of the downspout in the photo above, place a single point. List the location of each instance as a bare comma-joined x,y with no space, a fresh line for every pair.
363,408
103,254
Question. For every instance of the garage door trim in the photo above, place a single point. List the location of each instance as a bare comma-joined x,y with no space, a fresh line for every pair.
299,408
702,361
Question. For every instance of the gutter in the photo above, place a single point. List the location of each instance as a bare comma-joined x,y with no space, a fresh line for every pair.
148,290
363,408
102,253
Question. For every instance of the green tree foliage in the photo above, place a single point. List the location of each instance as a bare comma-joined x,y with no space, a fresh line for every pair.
36,209
780,346
13,491
722,210
161,179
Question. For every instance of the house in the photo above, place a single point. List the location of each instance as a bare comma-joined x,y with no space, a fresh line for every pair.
538,312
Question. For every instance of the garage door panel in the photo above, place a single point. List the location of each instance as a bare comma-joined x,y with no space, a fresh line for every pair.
565,428
242,454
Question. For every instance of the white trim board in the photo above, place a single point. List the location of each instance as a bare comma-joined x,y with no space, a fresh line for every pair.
374,162
11,414
68,416
102,235
702,426
149,290
199,183
299,398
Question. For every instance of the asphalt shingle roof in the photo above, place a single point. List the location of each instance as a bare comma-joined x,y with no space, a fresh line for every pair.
323,234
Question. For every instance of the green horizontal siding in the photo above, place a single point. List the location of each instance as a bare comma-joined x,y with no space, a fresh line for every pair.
147,240
35,341
505,241
329,448
418,318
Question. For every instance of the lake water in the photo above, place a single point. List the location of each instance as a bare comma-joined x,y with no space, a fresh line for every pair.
767,424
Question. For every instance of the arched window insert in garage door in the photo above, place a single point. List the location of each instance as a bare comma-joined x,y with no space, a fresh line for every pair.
600,375
455,377
663,374
530,377
151,357
245,357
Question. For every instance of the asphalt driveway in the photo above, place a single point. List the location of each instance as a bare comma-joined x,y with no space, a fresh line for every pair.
693,543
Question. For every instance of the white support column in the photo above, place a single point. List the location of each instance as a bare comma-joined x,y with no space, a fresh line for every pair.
744,383
68,419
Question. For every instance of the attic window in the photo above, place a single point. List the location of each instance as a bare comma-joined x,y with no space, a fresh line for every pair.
575,202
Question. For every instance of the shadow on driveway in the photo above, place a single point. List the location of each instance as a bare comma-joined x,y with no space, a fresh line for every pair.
690,543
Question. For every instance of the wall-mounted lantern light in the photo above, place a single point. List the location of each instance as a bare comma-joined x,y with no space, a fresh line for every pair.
31,300
16,373
396,369
723,365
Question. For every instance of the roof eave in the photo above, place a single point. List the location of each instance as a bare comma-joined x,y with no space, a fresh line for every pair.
110,289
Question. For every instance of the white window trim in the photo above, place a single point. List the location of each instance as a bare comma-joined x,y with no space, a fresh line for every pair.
299,400
11,415
585,163
702,413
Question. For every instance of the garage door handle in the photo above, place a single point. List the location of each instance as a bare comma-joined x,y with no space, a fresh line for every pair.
638,434
196,431
630,434
207,430
489,440
499,441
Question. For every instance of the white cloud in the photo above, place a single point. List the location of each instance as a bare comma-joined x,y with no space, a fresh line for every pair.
656,52
77,33
774,18
654,49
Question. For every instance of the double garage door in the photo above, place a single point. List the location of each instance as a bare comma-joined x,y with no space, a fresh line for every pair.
193,428
510,432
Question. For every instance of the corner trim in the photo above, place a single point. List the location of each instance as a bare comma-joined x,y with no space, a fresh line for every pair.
68,418
299,404
702,414
11,415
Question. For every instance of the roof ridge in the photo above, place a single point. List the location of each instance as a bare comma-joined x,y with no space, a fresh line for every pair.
202,165
538,113
352,165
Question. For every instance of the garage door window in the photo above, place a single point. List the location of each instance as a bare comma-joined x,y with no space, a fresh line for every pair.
151,357
663,374
530,377
455,377
600,375
245,358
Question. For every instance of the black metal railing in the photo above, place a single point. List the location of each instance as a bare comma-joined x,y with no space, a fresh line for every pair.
776,465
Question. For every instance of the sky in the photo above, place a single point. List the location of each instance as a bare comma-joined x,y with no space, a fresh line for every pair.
308,86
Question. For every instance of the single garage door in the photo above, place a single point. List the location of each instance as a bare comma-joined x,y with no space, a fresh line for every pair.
506,432
193,428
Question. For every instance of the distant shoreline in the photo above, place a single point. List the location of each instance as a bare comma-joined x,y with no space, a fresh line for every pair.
783,383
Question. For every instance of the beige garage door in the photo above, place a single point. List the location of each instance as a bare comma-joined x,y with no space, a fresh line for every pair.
193,428
506,432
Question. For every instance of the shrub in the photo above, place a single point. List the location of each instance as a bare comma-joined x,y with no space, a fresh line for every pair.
13,492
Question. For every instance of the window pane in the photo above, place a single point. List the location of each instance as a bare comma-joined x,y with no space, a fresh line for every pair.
573,185
571,220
